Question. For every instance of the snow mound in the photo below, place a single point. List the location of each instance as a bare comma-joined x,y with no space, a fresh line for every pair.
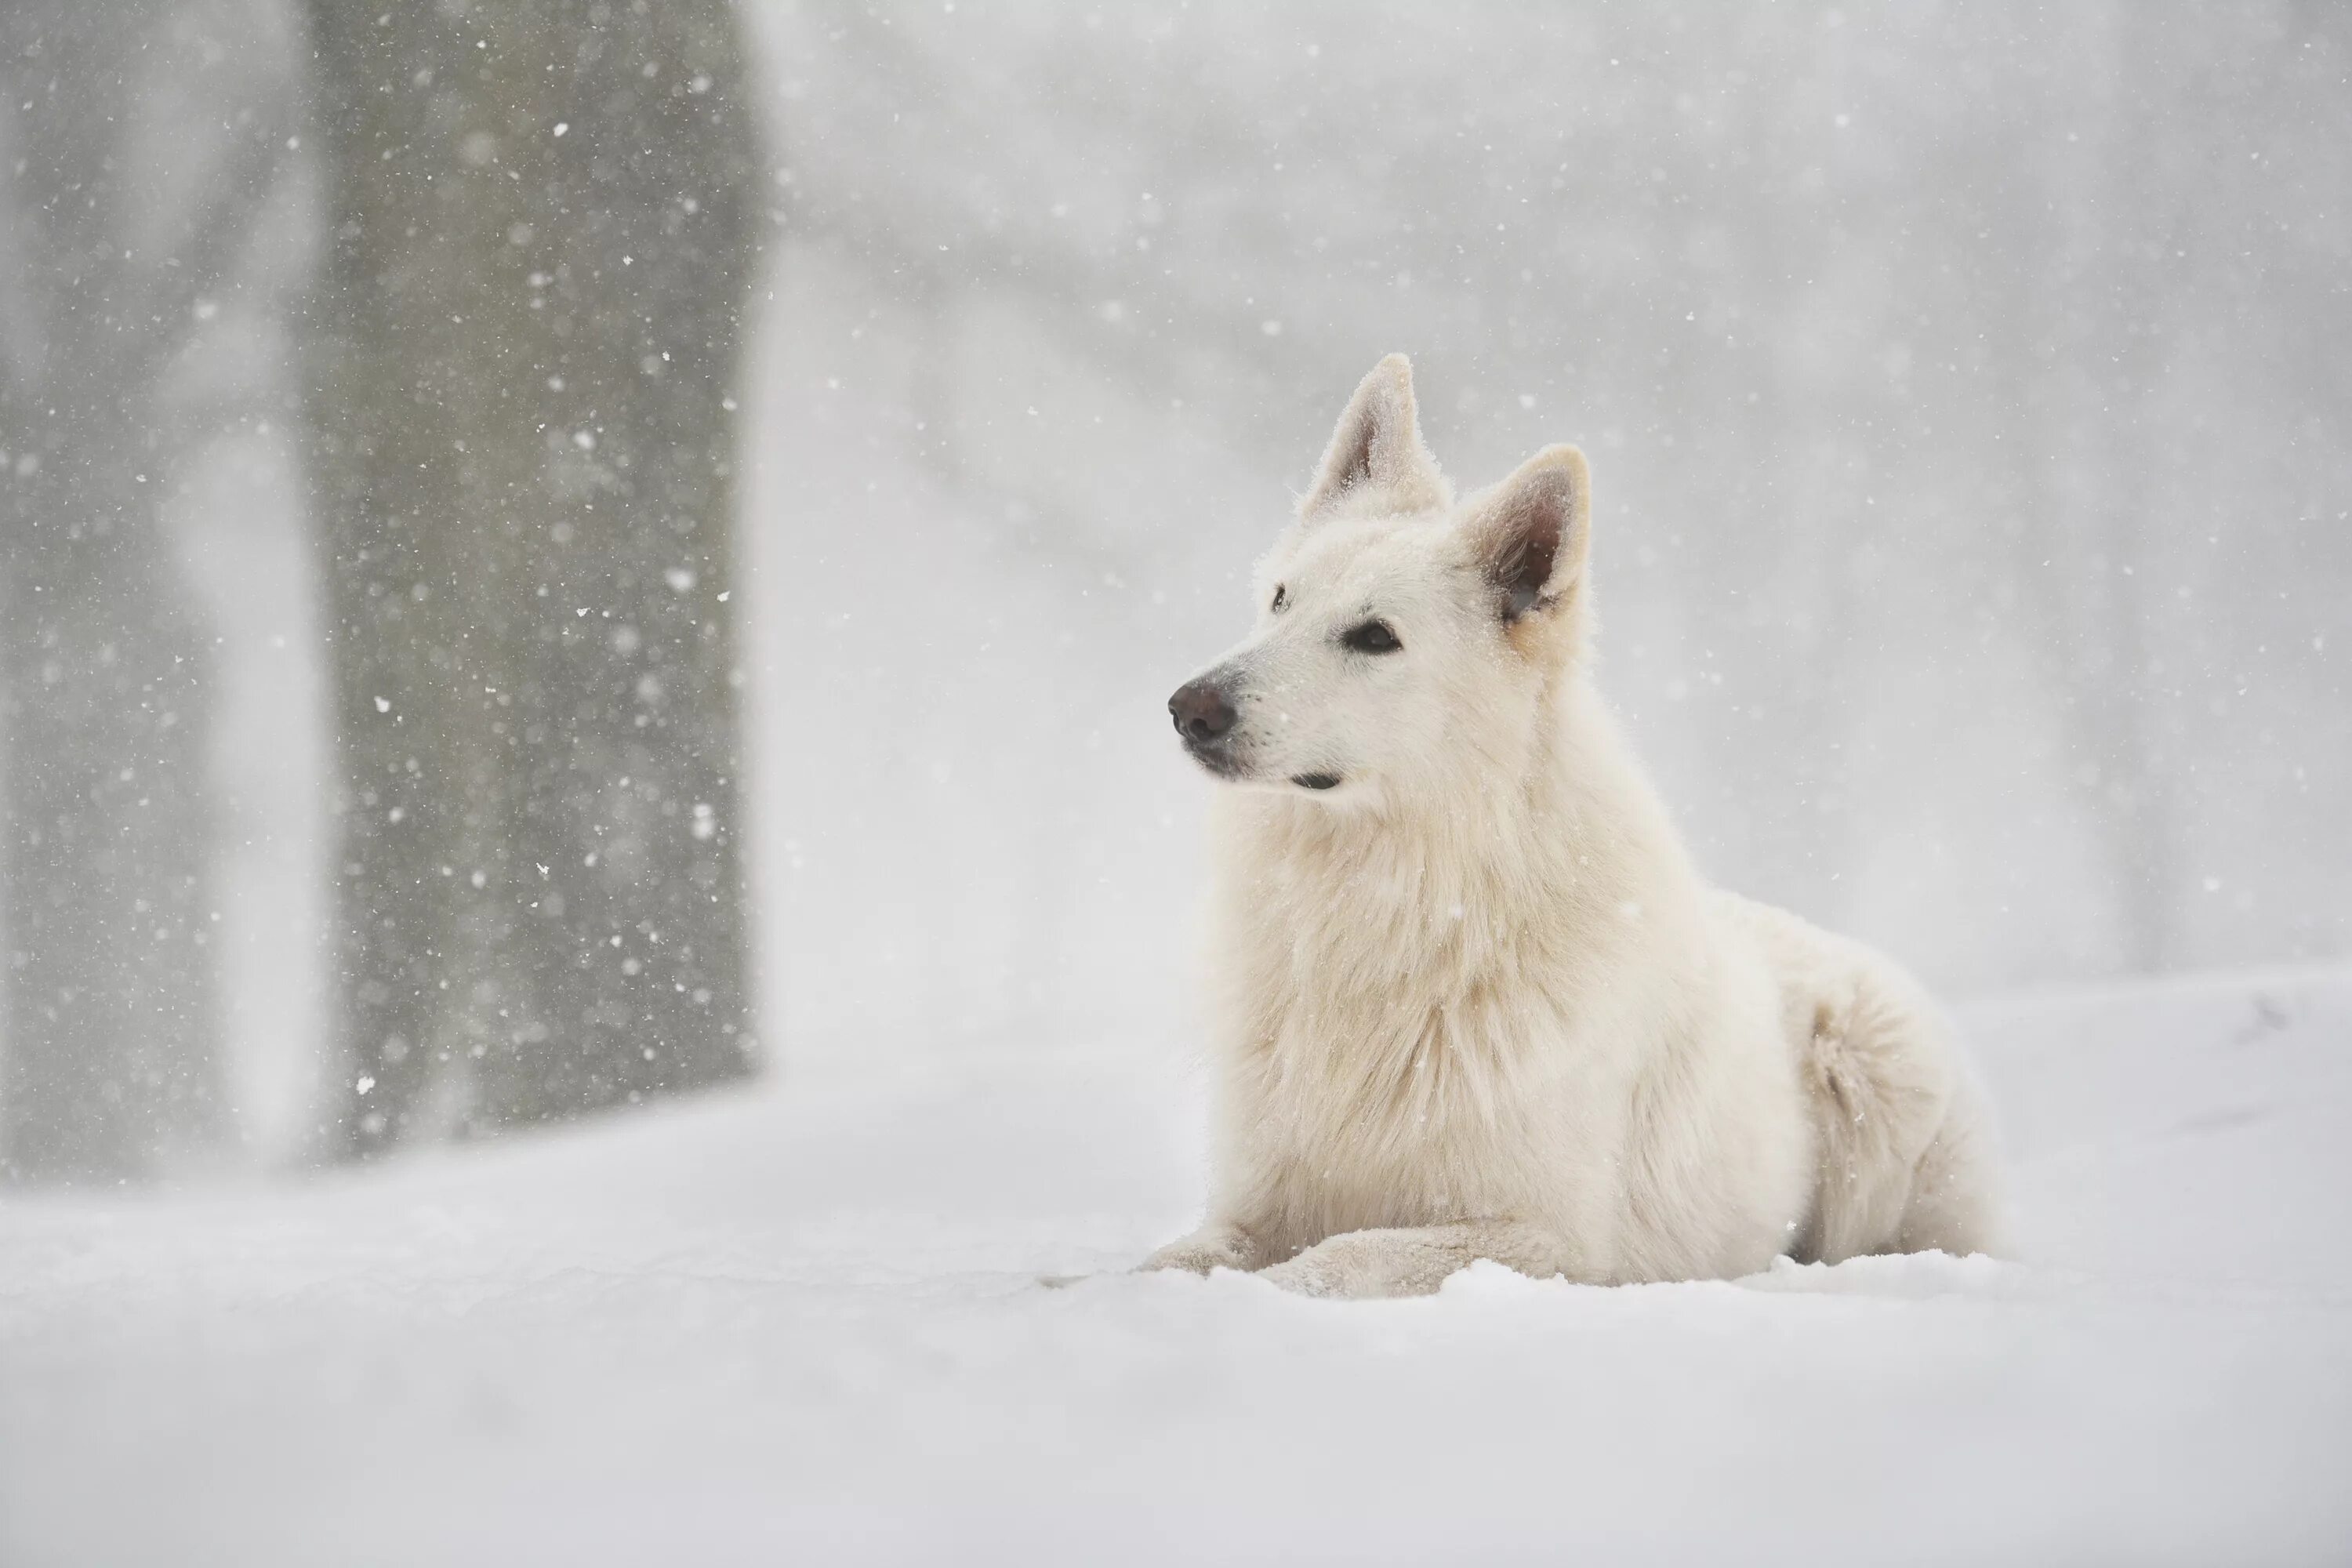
807,1324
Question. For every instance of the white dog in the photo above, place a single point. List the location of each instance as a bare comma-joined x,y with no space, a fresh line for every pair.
1473,1000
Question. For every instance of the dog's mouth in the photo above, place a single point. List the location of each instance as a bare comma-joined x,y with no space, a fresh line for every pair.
1214,757
1222,763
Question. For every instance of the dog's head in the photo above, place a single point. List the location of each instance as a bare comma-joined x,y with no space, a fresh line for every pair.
1403,638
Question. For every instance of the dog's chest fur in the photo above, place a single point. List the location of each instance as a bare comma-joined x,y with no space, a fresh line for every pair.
1414,1019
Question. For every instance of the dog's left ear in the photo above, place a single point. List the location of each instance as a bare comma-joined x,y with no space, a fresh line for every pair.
1530,532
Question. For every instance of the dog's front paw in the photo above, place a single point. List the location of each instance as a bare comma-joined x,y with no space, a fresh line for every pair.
1350,1266
1364,1264
1311,1273
1213,1247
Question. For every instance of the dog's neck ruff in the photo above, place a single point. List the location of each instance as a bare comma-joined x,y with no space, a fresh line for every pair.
1432,900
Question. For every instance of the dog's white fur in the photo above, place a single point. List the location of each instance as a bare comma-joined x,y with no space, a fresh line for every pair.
1474,1002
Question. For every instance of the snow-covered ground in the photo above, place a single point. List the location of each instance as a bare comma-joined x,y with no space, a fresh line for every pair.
805,1325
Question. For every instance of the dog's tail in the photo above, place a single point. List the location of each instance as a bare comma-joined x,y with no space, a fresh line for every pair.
1907,1161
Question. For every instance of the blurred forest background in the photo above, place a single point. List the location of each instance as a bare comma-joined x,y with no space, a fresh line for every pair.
557,551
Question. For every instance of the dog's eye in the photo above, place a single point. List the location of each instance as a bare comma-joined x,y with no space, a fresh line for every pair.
1281,597
1372,636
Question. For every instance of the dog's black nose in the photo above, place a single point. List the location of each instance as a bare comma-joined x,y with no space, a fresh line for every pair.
1201,711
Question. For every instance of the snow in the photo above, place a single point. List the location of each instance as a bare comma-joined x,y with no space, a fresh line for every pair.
806,1323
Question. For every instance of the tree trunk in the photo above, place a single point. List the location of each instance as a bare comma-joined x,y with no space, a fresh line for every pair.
520,357
105,853
2105,320
108,1036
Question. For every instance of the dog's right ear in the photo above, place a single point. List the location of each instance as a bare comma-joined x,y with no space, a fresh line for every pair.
1376,461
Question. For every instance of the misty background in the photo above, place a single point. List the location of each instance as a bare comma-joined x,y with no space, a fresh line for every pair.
558,554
